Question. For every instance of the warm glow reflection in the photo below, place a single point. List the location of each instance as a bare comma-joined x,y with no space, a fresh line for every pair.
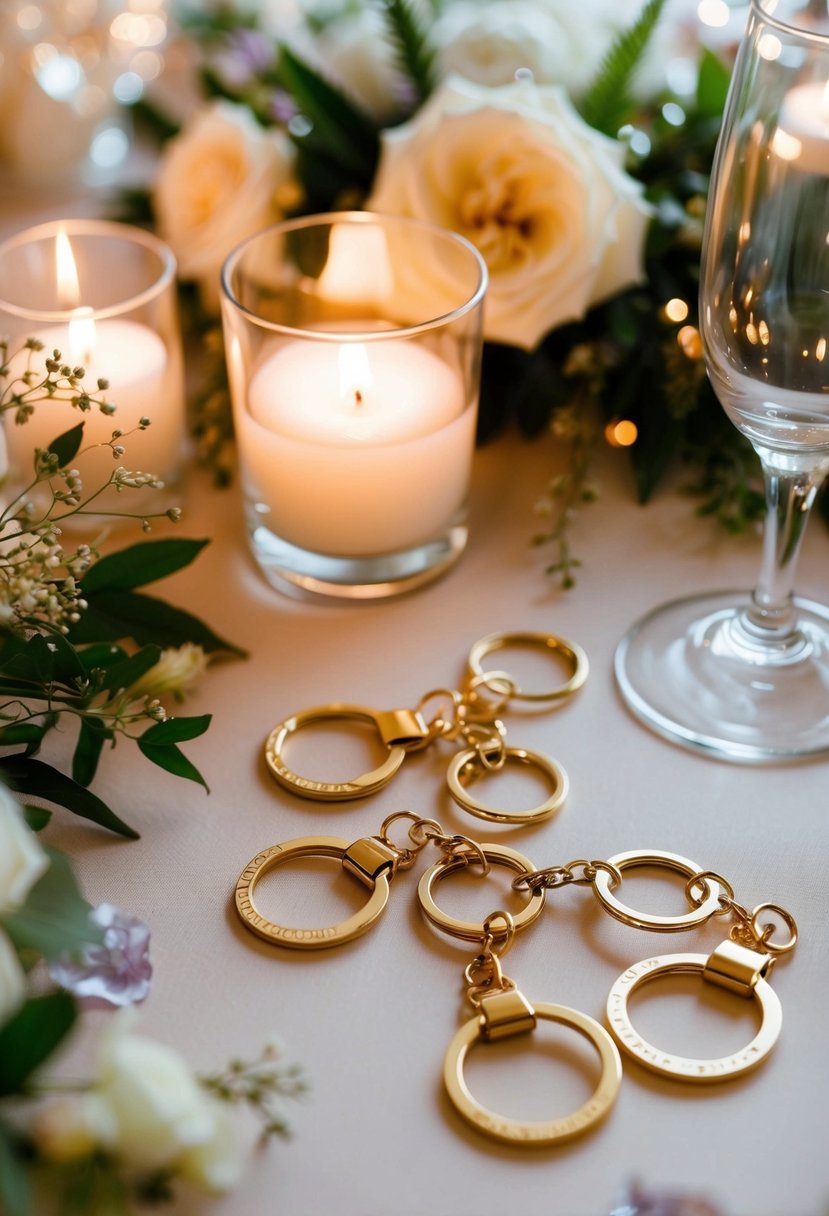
770,47
621,434
81,326
355,372
714,13
690,342
820,350
787,147
676,310
763,331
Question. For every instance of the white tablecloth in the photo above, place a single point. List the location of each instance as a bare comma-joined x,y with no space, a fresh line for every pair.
370,1022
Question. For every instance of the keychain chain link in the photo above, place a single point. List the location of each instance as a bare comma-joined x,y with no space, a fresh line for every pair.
552,877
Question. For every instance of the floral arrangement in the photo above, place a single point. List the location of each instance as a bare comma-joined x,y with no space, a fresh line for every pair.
143,1121
79,641
573,149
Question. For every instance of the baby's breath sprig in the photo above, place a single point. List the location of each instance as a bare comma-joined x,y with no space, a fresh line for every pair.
260,1084
58,382
76,639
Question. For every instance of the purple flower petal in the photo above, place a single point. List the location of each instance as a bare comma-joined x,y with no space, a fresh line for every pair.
115,973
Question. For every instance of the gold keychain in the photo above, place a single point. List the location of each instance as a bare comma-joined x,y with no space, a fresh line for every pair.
502,1011
469,715
740,964
373,861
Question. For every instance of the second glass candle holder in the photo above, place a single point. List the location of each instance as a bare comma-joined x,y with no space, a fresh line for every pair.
353,344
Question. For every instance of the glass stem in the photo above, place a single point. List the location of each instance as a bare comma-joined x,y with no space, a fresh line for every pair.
771,616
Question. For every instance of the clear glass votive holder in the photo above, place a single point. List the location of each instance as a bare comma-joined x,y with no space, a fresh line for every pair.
353,345
104,295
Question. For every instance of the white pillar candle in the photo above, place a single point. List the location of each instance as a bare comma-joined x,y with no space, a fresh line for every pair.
356,449
802,134
143,381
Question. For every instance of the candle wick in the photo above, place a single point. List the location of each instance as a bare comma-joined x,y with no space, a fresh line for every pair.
358,397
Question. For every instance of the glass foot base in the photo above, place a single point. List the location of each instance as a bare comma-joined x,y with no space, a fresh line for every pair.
307,575
689,673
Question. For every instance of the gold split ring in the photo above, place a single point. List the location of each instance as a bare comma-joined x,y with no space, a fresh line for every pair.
682,1068
473,931
310,939
708,906
536,1133
466,767
574,656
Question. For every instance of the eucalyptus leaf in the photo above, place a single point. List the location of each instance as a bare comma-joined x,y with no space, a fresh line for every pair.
176,730
172,760
31,1036
37,817
141,563
33,778
116,615
122,675
87,753
67,445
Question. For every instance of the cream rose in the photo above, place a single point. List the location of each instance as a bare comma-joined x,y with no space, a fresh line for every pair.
220,180
22,862
12,980
489,43
542,195
158,1111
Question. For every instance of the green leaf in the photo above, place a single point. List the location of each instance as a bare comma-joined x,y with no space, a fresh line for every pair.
141,563
15,1195
414,54
33,778
55,918
172,760
31,1036
91,739
339,127
67,445
22,732
176,730
115,615
123,675
37,817
712,85
607,104
100,657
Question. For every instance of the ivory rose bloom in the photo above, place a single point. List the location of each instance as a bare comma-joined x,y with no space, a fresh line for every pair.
22,862
220,180
541,194
489,43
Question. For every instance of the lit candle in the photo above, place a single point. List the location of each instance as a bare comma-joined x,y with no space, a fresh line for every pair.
144,380
357,449
802,134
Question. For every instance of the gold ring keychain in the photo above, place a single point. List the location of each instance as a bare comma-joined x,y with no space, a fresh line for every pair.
371,860
469,715
740,964
502,1011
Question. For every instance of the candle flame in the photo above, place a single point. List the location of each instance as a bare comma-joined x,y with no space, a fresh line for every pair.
82,335
69,289
355,372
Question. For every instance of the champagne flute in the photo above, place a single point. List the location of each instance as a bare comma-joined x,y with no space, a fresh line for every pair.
739,676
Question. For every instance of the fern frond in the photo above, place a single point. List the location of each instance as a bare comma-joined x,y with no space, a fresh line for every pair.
408,35
607,102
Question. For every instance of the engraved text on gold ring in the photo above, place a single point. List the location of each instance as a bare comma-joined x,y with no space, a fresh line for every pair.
536,1133
473,931
328,791
305,939
465,766
647,920
682,1068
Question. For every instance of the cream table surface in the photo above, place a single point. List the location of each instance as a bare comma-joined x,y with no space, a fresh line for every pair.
370,1022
